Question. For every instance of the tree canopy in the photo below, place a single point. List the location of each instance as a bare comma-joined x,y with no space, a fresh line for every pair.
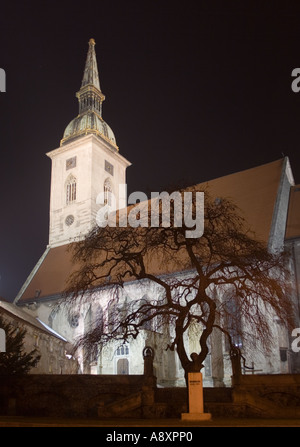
215,281
16,360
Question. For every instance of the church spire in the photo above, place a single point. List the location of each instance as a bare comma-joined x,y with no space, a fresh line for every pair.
90,75
90,96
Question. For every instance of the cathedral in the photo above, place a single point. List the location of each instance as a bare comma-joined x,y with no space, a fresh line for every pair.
86,168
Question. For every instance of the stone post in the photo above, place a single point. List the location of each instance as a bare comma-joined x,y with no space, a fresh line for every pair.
195,394
148,355
148,389
235,357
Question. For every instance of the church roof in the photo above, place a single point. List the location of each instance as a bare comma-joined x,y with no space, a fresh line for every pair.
88,123
19,314
293,221
255,191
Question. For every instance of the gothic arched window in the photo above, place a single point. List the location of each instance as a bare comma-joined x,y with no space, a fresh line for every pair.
71,190
122,350
107,192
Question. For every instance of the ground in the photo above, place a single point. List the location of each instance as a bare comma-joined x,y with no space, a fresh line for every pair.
17,421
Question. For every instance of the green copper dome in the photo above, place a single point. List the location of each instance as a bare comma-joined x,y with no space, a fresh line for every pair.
88,123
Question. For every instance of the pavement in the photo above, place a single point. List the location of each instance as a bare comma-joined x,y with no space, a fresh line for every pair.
19,421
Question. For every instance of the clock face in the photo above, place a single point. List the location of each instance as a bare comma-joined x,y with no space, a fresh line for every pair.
69,220
109,167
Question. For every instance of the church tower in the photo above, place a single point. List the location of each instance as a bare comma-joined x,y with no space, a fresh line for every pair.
86,163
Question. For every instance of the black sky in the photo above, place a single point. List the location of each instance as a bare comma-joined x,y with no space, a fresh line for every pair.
194,90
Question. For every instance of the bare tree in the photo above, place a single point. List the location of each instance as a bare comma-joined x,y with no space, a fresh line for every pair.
215,281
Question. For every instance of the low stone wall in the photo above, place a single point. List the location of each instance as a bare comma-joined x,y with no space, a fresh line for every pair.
96,395
270,380
64,395
137,396
275,395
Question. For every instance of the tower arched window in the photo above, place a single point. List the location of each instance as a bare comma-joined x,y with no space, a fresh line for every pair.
107,193
71,190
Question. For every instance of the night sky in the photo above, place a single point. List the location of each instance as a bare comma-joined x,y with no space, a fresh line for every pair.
194,90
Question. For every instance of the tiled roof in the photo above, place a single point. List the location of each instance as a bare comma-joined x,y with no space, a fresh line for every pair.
17,313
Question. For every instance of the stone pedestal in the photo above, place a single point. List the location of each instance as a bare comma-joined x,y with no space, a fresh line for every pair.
195,392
